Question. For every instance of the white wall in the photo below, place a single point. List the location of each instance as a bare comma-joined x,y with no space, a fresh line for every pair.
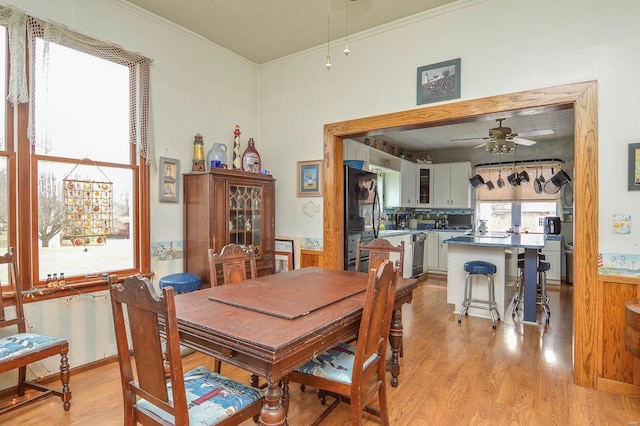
505,45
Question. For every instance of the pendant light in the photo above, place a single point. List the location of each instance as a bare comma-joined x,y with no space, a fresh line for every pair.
346,50
328,64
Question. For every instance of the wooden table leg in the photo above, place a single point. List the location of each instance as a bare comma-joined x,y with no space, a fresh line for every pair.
273,411
395,340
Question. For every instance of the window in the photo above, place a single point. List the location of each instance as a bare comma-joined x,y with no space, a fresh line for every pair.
84,155
505,207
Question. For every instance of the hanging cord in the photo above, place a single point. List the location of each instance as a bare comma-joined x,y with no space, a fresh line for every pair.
94,163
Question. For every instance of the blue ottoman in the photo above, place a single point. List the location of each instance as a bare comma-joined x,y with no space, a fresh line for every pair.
181,282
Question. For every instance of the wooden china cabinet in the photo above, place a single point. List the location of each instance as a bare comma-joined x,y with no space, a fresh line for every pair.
228,206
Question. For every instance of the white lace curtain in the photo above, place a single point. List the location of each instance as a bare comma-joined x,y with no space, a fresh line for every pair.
23,31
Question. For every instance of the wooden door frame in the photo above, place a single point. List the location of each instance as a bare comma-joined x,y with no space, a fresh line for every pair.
583,99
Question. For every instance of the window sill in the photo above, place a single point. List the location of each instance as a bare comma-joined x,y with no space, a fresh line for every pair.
86,286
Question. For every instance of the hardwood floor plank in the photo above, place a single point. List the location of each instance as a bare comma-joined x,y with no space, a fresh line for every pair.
452,374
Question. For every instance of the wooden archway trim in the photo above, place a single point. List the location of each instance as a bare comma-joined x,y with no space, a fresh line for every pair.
582,98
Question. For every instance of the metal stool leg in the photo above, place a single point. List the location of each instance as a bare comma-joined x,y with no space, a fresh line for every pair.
544,299
467,297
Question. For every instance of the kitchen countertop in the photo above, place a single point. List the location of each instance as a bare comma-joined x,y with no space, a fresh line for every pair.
496,239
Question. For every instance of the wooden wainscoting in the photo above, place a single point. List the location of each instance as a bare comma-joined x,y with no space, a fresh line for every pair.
311,258
618,369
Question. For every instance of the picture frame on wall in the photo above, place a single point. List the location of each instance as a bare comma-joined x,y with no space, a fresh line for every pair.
310,178
439,82
634,167
169,172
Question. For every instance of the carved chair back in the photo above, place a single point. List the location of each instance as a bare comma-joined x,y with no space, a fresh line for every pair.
234,260
11,286
379,250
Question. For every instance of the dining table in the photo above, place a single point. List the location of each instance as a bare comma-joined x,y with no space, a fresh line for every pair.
273,324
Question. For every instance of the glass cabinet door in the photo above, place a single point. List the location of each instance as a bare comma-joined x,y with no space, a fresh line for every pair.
245,216
425,186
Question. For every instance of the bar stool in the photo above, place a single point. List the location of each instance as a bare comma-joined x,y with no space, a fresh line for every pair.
543,299
479,267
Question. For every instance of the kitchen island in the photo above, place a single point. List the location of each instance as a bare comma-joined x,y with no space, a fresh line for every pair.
500,249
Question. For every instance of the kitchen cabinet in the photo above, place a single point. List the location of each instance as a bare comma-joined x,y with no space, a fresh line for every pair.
437,251
407,183
553,254
228,206
451,187
400,187
353,150
424,185
395,240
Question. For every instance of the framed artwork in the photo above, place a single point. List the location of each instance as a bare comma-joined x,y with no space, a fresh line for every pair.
310,178
169,179
439,82
284,256
634,167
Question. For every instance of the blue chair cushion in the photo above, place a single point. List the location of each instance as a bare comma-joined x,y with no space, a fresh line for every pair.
480,267
181,282
24,343
211,397
544,266
336,364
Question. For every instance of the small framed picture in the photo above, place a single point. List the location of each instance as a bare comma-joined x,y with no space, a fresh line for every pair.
439,82
310,178
169,180
634,167
284,256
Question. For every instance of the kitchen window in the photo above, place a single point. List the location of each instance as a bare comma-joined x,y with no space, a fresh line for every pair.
82,158
522,205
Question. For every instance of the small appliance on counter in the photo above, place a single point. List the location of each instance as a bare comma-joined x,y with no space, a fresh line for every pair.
402,220
552,225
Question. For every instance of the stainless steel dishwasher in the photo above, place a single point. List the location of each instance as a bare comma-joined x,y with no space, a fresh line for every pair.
419,240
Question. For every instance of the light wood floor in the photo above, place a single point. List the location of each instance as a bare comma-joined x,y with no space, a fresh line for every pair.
519,374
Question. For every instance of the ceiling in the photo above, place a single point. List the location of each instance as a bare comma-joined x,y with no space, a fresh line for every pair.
262,31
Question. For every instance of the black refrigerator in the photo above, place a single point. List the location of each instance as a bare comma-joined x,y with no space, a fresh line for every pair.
361,214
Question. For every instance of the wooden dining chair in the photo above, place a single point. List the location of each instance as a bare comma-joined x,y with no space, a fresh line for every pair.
234,260
379,250
355,374
20,349
198,397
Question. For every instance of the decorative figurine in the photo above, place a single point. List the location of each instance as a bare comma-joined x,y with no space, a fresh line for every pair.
198,154
251,159
237,159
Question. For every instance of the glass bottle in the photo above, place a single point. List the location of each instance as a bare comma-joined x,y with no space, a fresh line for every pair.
62,280
251,159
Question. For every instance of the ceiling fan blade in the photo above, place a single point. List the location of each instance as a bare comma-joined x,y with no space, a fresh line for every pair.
525,142
535,133
480,146
471,139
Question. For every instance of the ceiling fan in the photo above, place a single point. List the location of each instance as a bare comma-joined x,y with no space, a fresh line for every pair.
503,140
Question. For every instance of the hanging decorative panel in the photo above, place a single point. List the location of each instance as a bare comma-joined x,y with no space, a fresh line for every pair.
88,207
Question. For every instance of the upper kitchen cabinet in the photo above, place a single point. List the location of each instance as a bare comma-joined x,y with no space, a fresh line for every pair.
353,150
424,185
451,188
408,173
